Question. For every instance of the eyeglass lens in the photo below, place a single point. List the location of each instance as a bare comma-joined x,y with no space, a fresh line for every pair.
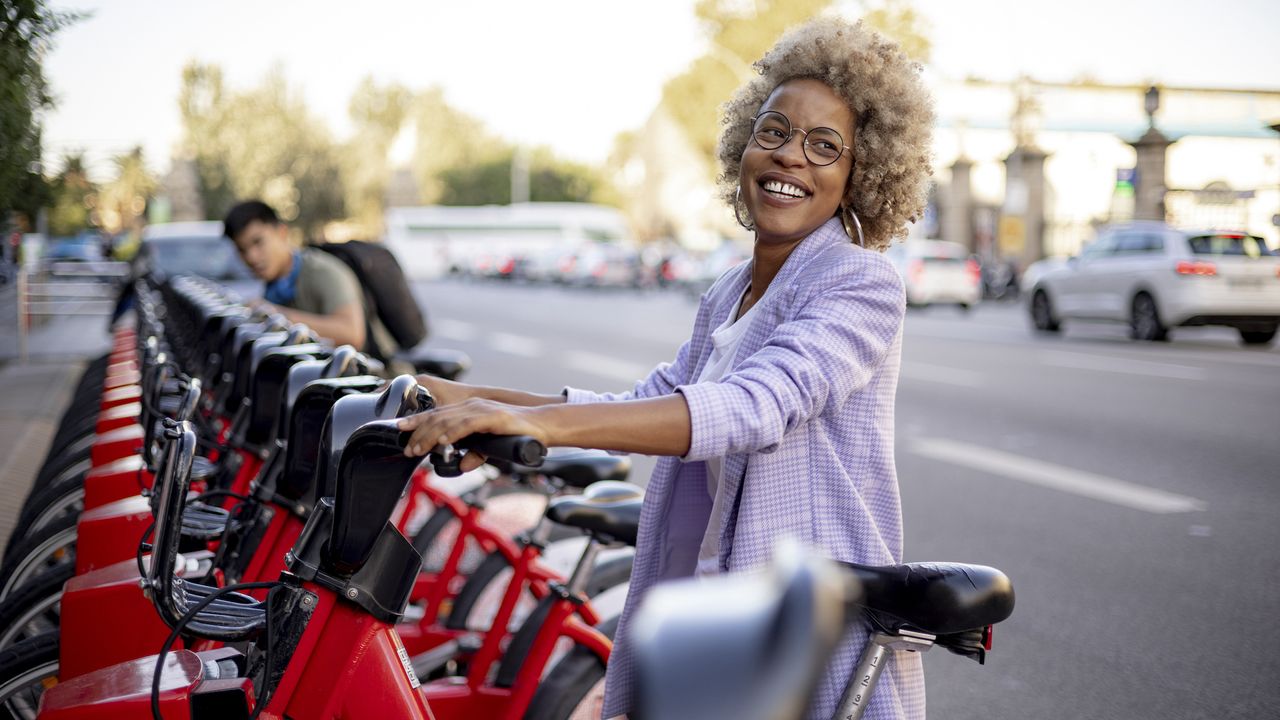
822,146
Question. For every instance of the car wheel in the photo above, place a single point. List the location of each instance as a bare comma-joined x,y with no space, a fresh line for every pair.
1144,319
1042,313
1258,337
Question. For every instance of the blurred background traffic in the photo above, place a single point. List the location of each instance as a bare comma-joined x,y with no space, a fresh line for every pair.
1090,382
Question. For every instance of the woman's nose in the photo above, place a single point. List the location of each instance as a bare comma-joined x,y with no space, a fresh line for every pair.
791,152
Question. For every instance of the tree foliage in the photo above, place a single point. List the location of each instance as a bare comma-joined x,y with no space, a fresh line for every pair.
736,36
459,161
550,180
898,19
122,201
449,139
260,143
27,29
378,113
72,196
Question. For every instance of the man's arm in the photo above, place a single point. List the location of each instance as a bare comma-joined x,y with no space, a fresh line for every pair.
343,326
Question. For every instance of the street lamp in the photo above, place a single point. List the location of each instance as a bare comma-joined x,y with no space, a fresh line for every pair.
1275,219
1151,101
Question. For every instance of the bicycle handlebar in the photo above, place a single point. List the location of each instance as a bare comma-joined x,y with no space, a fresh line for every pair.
520,449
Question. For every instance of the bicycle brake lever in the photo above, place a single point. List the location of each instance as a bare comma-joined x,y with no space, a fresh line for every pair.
446,460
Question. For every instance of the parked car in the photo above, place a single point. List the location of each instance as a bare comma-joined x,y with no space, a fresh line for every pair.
603,265
696,276
196,248
1155,277
937,272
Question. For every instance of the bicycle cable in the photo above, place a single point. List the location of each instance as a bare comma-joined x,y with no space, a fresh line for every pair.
189,616
219,493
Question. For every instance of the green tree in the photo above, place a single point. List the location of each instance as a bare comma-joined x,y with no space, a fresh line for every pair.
550,180
736,37
27,29
260,143
449,139
122,201
378,113
898,19
201,106
73,197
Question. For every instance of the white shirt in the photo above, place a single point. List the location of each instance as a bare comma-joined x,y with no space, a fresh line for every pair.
724,345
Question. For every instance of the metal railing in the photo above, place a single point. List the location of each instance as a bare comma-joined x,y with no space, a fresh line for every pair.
66,289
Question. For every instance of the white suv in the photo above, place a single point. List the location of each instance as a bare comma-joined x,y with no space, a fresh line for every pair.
1155,278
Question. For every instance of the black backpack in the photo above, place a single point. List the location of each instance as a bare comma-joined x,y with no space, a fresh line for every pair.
386,292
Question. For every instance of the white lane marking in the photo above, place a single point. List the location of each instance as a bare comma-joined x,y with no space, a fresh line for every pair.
1127,366
941,374
605,366
515,344
1056,477
454,329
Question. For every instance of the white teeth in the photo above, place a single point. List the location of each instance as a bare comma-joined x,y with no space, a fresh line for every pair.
782,188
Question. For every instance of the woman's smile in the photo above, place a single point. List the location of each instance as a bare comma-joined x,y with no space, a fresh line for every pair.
783,190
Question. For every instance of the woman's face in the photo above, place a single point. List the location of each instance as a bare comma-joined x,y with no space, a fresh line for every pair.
800,196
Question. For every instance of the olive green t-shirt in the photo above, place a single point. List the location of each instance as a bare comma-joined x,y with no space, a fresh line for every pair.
325,284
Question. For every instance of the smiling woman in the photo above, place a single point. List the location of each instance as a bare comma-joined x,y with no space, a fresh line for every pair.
775,419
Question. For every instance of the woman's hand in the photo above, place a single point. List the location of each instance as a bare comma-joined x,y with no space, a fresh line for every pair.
446,392
448,424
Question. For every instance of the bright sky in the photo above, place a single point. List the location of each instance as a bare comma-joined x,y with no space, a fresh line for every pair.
573,73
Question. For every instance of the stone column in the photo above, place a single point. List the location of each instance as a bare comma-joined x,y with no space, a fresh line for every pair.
1023,217
958,216
1149,186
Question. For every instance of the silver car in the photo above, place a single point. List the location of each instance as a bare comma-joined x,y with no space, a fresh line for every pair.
1155,277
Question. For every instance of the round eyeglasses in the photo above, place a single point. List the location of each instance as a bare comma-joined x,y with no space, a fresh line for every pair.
822,146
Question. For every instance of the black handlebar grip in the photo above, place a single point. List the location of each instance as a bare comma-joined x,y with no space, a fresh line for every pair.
520,449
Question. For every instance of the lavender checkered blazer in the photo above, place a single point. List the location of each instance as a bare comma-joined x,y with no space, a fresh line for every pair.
804,420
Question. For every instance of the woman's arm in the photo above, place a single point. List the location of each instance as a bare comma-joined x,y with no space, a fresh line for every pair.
654,426
449,392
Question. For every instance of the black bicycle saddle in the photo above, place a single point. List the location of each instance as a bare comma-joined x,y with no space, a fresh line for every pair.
937,598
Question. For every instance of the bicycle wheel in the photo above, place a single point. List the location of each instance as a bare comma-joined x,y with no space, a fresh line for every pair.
574,689
77,458
47,506
26,671
477,603
35,608
53,546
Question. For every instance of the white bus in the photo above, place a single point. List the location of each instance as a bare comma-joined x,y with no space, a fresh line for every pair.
432,240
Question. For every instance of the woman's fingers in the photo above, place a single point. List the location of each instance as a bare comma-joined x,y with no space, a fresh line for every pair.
471,461
446,425
424,433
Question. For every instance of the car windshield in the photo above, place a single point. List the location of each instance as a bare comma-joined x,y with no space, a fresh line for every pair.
1230,244
214,258
943,253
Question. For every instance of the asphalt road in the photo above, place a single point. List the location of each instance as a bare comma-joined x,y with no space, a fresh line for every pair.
1129,490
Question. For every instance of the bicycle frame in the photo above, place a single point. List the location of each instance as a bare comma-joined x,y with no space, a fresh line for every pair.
347,663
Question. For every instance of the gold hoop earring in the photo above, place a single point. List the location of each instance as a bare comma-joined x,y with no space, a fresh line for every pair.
855,232
737,214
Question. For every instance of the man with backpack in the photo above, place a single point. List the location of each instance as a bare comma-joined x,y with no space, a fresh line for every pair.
305,285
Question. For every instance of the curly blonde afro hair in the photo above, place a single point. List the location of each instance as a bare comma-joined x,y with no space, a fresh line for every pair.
894,119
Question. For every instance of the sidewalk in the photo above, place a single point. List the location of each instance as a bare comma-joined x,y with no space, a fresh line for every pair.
32,400
33,397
